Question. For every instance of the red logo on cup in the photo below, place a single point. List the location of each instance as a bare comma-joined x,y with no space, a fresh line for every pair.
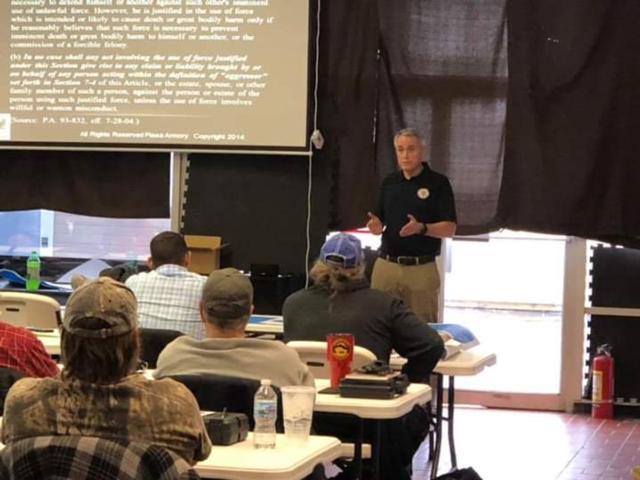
341,349
339,355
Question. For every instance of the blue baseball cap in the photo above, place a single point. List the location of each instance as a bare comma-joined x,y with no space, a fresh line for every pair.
342,250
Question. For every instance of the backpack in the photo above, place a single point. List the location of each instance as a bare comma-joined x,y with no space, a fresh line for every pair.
462,474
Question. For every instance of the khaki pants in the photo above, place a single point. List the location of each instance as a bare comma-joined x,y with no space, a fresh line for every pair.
417,285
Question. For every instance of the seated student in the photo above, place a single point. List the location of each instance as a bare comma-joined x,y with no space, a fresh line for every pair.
225,309
98,393
169,295
21,355
341,301
21,350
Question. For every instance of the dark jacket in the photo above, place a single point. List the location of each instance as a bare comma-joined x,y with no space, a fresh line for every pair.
378,321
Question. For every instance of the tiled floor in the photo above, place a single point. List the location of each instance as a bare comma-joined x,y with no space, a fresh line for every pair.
524,445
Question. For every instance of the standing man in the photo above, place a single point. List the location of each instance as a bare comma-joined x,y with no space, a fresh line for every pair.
415,211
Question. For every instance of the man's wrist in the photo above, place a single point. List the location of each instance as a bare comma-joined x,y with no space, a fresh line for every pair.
423,229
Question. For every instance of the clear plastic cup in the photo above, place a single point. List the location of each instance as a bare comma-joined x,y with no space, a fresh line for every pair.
297,409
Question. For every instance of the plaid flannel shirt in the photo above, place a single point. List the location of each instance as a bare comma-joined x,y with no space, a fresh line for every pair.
159,412
90,458
169,298
21,350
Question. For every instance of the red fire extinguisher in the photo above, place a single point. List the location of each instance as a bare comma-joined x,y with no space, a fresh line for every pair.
602,383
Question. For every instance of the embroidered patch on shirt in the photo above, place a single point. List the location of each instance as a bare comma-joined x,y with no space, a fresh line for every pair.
423,193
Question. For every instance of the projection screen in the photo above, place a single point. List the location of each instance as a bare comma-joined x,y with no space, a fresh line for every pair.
168,74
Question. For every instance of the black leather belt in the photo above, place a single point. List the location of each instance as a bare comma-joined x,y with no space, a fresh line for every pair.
404,260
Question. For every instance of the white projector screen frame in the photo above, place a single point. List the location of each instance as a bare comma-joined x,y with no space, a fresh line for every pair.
175,75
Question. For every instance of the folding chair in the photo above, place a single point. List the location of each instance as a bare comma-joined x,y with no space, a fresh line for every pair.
29,310
153,341
314,354
235,394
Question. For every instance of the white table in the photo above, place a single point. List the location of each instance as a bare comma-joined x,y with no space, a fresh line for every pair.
242,461
286,461
466,363
259,324
370,409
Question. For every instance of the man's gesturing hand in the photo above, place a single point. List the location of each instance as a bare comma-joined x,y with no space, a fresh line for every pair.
374,224
412,227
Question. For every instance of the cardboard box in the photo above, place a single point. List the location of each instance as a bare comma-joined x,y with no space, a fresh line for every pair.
205,253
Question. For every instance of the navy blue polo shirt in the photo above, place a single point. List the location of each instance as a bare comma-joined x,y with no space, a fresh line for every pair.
427,196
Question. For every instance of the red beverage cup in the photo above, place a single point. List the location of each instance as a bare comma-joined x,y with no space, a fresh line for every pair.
339,356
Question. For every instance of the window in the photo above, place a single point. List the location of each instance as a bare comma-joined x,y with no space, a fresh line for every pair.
58,234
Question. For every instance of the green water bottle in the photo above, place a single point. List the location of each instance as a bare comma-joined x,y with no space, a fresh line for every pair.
33,272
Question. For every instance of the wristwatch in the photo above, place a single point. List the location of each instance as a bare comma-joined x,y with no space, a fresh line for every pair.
423,229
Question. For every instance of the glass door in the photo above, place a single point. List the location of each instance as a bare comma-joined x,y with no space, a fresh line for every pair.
523,296
508,288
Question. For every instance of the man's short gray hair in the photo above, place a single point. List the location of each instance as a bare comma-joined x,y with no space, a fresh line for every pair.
408,132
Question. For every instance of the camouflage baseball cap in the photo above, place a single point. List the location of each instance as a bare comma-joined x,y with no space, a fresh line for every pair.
106,299
227,294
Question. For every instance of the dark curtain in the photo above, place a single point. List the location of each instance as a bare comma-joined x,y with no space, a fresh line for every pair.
570,140
347,96
443,71
103,184
258,205
571,159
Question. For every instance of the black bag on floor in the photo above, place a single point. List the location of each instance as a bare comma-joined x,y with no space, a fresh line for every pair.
462,474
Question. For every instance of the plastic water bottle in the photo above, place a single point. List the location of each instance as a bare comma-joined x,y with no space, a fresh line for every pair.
33,272
265,413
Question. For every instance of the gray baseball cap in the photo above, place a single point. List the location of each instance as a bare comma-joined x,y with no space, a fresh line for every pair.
227,294
107,300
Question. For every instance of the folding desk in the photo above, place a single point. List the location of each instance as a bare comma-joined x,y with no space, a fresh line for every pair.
286,461
365,409
257,324
241,461
370,409
466,363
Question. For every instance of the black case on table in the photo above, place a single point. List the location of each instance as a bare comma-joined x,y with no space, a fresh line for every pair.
226,428
361,385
